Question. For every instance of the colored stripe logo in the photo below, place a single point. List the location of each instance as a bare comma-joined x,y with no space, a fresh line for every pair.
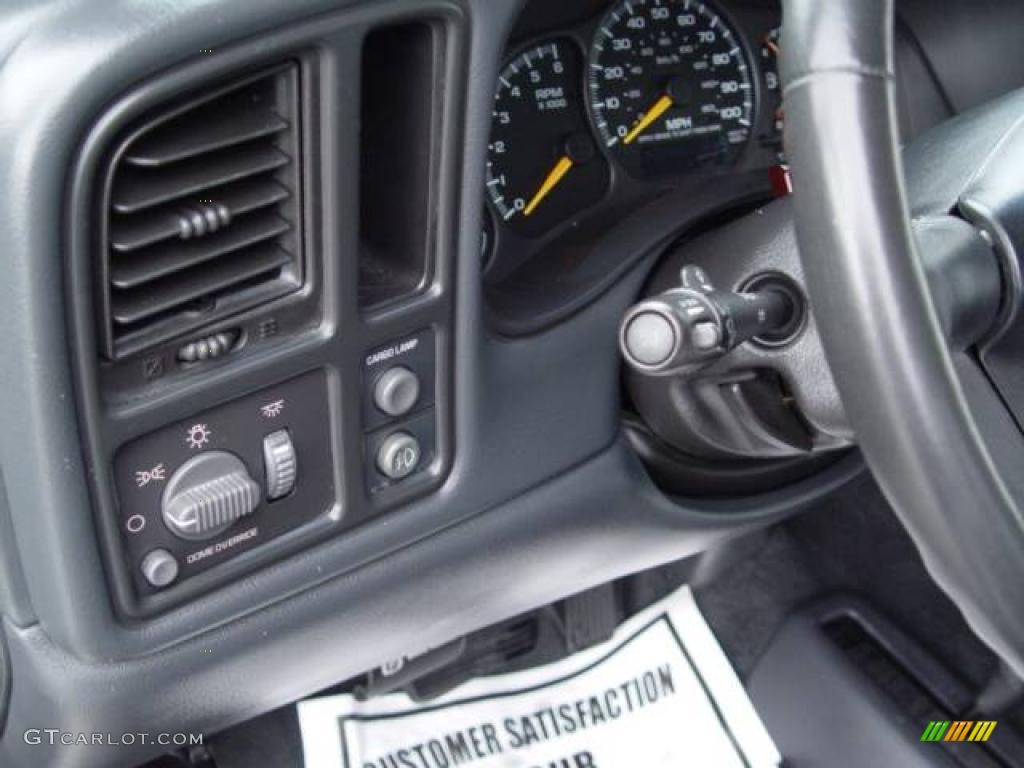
958,730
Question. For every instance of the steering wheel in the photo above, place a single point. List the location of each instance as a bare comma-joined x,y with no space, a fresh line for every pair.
938,422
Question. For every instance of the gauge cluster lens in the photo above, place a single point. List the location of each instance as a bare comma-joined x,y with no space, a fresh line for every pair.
648,90
770,50
542,163
669,85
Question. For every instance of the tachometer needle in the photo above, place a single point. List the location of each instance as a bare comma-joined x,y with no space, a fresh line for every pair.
659,108
550,182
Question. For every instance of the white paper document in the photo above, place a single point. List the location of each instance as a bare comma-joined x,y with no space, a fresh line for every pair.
660,693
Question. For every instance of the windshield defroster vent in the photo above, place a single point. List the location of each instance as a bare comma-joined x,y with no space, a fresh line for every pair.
202,212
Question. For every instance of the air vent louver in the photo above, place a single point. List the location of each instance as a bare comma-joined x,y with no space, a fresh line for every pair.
202,212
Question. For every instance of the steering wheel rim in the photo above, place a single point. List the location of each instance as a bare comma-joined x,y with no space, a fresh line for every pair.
932,428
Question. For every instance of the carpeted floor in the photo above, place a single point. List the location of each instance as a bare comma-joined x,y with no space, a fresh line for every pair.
852,543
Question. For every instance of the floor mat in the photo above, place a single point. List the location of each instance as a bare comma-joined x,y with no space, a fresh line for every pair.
659,693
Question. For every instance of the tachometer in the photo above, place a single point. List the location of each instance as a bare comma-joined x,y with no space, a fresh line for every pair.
542,163
670,84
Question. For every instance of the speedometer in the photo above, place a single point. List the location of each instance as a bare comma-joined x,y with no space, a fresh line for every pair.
669,84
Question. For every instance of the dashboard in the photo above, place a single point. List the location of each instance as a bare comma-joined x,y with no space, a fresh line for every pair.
365,146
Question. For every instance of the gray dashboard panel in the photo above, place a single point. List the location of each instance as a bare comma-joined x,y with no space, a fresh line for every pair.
542,499
598,522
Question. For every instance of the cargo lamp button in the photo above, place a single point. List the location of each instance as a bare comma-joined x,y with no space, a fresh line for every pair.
396,391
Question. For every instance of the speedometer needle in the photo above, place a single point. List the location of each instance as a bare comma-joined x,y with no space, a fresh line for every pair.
659,108
550,182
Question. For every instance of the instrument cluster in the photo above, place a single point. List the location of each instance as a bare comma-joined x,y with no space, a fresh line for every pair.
596,115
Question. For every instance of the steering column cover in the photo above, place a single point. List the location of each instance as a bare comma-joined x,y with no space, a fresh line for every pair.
918,410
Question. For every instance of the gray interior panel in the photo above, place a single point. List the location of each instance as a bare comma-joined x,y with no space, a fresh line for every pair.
535,493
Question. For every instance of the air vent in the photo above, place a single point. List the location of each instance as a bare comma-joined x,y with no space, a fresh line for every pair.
203,213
